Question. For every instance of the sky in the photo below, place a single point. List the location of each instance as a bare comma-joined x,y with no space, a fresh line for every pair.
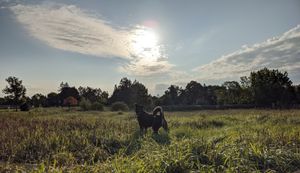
157,42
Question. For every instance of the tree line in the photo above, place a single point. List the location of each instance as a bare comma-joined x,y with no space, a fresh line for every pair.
262,88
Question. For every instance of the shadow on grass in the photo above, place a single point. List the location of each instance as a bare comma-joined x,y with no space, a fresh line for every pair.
161,138
134,143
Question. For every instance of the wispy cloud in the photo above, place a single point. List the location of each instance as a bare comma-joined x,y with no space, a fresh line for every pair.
8,3
141,68
281,52
69,28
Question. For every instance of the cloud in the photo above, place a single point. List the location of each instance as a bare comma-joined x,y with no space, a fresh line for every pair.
203,38
142,67
69,28
281,52
8,3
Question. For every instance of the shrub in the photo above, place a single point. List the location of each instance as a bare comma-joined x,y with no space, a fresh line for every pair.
119,106
70,101
97,106
85,104
25,107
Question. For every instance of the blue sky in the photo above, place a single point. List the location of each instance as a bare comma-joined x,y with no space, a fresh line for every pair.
96,43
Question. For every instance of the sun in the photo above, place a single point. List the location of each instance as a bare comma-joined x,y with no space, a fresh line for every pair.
145,44
146,39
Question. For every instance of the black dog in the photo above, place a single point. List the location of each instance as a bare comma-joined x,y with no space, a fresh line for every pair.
154,120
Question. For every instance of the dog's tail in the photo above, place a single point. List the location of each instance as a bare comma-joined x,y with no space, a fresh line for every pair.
159,109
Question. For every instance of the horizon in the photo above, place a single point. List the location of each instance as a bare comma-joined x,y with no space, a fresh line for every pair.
97,43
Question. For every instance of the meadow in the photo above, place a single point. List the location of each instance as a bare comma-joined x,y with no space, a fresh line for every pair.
58,140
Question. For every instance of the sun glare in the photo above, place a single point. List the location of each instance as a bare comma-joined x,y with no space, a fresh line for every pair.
145,44
146,38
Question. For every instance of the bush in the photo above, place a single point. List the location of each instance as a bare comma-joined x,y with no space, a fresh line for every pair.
119,106
85,104
97,106
25,107
70,101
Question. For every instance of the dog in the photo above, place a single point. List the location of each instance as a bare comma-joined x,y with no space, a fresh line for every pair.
154,120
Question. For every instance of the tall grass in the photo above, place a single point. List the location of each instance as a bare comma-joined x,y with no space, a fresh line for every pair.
56,140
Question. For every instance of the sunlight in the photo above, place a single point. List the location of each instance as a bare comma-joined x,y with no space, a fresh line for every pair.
145,44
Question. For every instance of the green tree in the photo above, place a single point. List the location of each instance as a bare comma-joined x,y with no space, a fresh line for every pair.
194,93
63,85
131,93
38,100
2,101
269,87
171,96
15,90
53,99
104,97
85,104
232,93
93,94
297,93
246,96
140,94
211,97
220,93
123,92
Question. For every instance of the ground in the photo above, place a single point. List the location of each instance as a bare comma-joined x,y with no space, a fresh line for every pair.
58,140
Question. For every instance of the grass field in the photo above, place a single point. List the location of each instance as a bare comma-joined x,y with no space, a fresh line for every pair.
57,140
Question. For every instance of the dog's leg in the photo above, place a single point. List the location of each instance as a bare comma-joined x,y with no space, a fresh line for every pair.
155,128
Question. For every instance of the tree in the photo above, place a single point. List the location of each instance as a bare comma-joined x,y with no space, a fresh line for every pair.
63,85
194,93
221,95
93,94
269,87
246,96
211,97
297,93
38,100
53,99
2,101
232,92
140,94
85,104
131,93
66,91
123,92
16,91
104,97
171,96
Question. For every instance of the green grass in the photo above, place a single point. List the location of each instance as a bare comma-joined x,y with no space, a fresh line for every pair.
57,140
